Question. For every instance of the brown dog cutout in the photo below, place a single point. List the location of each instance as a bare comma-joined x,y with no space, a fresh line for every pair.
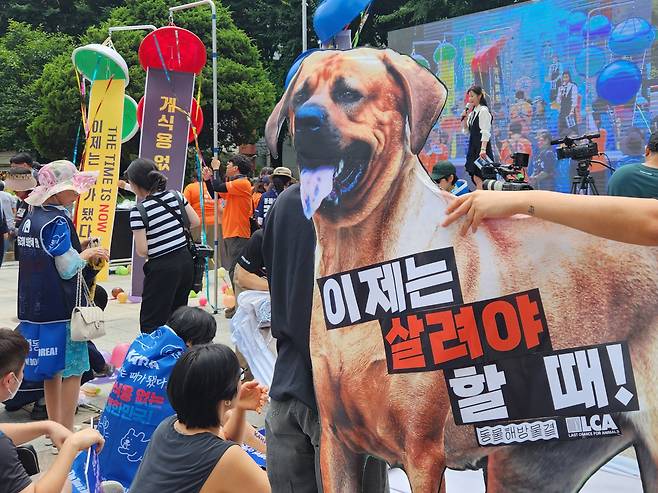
358,119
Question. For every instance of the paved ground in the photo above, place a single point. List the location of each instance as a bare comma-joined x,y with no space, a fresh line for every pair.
122,324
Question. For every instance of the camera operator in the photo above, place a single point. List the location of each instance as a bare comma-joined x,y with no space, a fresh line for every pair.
444,174
543,173
641,179
477,122
629,220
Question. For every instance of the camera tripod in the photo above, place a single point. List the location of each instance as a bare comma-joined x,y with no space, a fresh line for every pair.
584,185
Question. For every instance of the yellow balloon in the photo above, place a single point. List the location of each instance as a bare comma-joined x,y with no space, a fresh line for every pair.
221,272
122,297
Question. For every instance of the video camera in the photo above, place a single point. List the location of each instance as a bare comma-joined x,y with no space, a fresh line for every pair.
513,176
583,153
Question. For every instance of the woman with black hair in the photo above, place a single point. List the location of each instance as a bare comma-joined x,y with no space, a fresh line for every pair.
193,325
477,122
157,223
188,453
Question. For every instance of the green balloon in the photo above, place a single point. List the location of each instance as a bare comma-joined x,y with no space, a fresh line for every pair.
98,62
193,294
130,126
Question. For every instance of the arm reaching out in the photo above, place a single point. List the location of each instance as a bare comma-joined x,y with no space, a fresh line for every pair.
624,219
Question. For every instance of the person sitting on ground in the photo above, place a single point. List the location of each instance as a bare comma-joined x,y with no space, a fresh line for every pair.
444,174
13,477
187,327
189,452
251,325
197,327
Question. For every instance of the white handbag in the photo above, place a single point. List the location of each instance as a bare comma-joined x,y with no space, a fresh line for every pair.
87,322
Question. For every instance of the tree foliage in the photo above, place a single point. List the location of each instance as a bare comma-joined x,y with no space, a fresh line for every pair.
66,16
245,94
23,53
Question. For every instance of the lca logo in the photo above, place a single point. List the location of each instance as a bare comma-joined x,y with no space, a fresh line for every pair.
594,425
26,226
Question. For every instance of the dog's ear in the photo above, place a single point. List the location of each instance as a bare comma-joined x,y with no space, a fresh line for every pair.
425,95
278,116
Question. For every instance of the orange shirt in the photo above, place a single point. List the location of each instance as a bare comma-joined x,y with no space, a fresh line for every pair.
193,196
255,198
239,208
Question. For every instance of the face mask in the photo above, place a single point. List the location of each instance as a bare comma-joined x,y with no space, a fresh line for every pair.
13,393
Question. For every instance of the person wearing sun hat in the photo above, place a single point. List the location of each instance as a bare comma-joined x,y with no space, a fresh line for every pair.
51,256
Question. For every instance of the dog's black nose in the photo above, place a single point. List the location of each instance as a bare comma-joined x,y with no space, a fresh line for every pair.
310,118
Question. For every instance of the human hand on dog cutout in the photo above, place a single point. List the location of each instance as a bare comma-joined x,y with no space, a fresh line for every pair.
624,219
252,396
479,205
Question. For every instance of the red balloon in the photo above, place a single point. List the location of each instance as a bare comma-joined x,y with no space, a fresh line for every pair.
181,50
196,117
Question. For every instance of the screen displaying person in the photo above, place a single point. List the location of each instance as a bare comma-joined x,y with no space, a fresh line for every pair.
477,122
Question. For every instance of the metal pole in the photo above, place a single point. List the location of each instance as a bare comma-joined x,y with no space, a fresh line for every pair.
304,27
142,27
215,147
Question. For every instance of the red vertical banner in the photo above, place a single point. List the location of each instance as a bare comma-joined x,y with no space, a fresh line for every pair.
171,57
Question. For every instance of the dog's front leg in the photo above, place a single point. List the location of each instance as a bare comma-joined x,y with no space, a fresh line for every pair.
341,469
425,465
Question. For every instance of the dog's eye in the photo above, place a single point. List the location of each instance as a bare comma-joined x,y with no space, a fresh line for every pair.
347,96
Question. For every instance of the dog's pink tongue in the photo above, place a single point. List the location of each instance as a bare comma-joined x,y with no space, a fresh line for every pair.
315,185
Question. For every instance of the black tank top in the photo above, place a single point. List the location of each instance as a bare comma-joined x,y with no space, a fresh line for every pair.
177,463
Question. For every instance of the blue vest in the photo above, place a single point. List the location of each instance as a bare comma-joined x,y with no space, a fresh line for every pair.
43,296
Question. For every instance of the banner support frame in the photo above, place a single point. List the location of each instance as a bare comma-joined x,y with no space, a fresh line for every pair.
215,149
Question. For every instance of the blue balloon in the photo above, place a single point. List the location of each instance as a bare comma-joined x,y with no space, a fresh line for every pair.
619,82
332,16
576,21
592,59
296,64
631,37
598,26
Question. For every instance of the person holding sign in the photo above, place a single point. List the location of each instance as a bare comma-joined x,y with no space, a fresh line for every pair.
625,219
158,225
51,258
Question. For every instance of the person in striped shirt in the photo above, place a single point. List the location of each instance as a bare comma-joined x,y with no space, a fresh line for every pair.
158,231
